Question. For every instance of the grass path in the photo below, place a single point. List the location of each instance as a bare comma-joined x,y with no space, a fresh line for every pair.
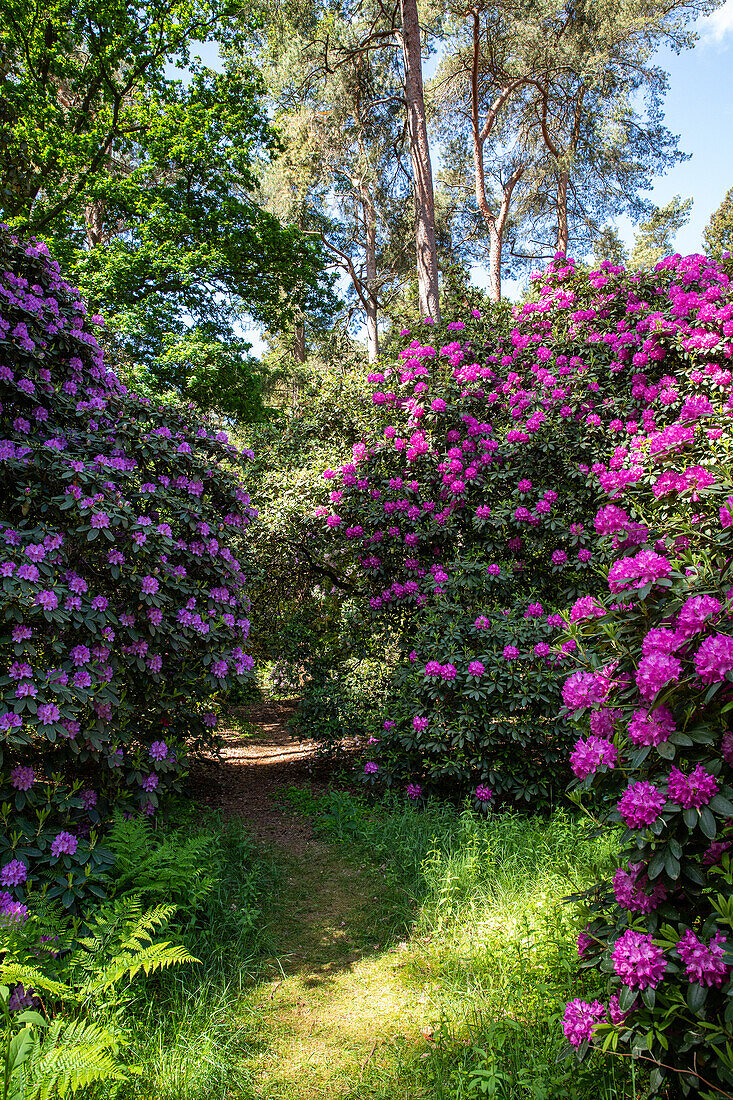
338,1000
338,1014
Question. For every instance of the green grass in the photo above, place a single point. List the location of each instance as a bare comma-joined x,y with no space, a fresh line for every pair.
491,940
416,953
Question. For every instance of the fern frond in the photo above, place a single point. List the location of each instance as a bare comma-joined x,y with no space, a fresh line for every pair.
151,959
69,1056
12,973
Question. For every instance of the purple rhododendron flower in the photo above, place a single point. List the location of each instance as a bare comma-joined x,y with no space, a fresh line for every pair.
13,873
64,844
579,1020
370,768
639,963
22,778
704,963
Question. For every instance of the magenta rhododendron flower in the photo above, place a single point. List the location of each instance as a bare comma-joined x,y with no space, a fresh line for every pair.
590,754
583,689
695,611
579,1020
651,727
633,890
714,658
695,789
640,804
639,963
587,607
655,671
704,963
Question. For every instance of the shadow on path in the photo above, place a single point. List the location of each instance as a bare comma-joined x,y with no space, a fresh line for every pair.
336,997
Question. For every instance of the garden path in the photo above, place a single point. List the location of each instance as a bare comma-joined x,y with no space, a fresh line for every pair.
335,1002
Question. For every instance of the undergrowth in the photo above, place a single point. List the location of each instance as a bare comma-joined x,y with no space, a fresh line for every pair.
472,928
491,940
187,1029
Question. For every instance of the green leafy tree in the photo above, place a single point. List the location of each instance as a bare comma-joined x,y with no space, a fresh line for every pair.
718,233
655,237
145,183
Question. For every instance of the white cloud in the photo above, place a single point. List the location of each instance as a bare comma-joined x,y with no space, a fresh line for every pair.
719,25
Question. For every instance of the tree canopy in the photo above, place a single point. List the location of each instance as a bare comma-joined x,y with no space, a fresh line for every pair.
146,183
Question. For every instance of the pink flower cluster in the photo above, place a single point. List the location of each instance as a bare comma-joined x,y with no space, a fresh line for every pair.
638,962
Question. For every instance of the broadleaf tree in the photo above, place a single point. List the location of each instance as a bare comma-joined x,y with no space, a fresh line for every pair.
143,179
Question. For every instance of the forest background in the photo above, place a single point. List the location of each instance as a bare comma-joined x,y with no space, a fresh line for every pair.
247,179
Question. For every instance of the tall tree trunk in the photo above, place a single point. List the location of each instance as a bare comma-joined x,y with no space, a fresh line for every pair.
372,331
94,223
370,250
422,173
299,352
495,246
562,211
495,224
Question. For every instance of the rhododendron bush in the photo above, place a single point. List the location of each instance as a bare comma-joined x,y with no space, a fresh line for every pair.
546,512
122,605
652,700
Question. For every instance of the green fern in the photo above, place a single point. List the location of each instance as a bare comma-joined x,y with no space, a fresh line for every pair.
148,960
120,945
172,867
12,973
68,1056
45,1061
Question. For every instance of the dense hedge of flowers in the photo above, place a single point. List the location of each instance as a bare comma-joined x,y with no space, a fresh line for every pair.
122,605
578,459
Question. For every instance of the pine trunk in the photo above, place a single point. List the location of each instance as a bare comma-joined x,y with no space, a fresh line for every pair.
371,304
562,212
422,173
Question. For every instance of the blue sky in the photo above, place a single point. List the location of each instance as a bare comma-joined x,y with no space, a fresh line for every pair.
699,108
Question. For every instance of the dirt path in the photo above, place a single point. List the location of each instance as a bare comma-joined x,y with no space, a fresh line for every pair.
337,999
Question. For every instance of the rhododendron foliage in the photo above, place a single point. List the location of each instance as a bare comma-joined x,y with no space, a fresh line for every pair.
122,602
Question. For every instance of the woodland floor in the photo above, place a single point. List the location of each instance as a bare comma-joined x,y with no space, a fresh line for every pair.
335,998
